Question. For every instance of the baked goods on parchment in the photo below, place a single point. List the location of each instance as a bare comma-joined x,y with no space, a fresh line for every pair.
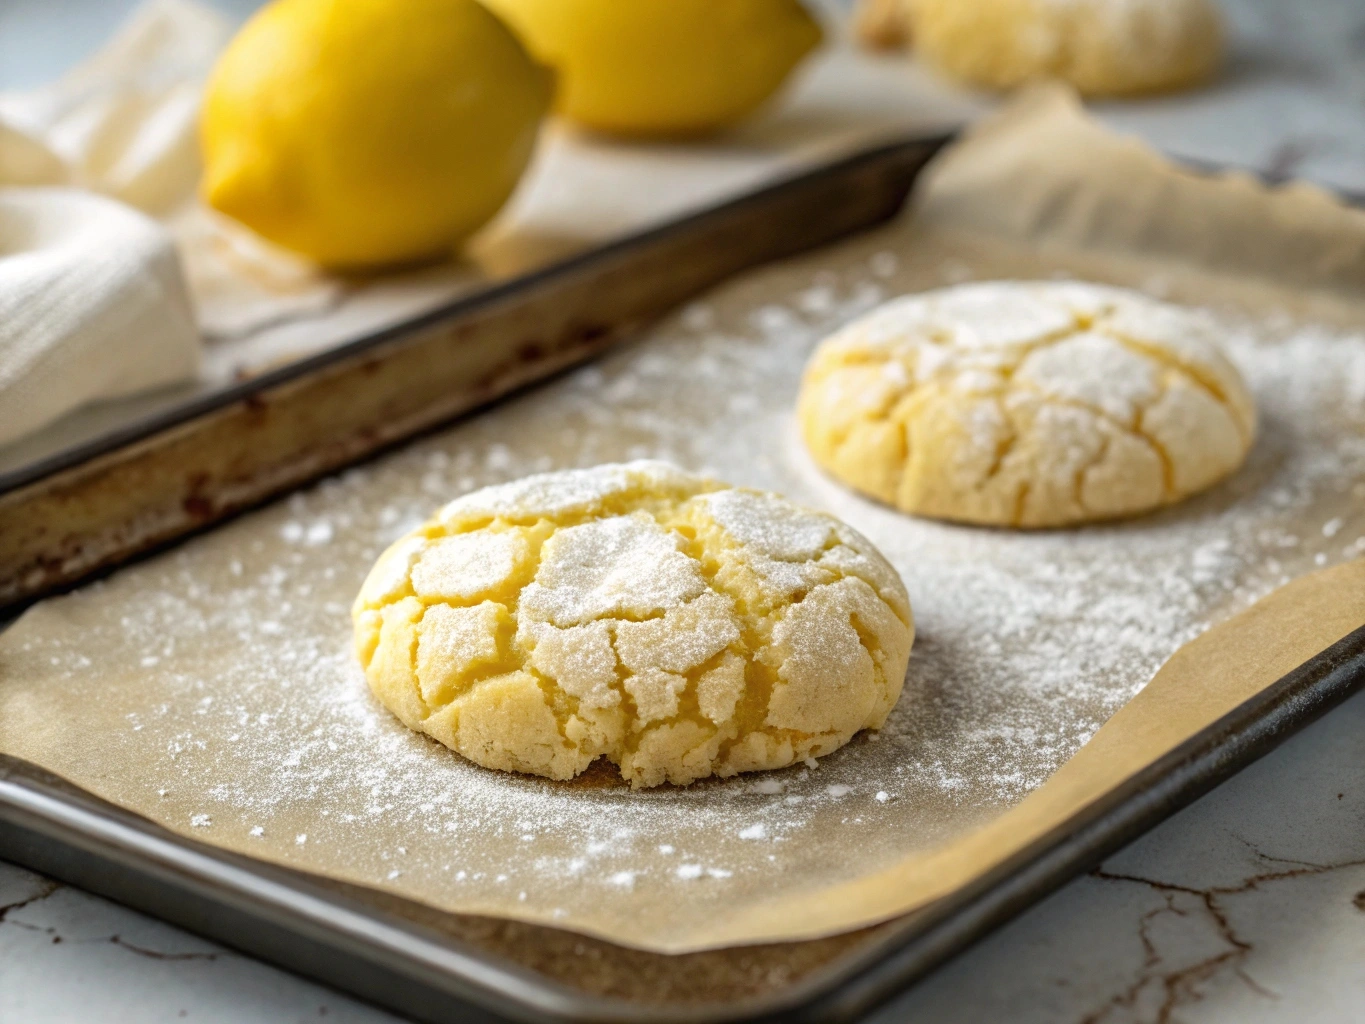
675,625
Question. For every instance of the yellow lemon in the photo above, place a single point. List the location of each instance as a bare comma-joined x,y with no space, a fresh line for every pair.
367,132
663,67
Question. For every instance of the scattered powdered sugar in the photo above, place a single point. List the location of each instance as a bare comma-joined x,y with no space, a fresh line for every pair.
224,690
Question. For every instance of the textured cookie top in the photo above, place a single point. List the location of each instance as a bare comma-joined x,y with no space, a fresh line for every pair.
1026,404
676,625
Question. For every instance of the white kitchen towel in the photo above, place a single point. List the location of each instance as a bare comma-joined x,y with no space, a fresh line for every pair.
93,305
93,298
124,122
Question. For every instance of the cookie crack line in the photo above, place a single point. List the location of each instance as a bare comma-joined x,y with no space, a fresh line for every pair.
670,632
884,356
1192,370
1133,430
1167,463
1079,479
1004,447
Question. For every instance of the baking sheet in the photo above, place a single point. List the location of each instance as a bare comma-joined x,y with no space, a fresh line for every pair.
212,689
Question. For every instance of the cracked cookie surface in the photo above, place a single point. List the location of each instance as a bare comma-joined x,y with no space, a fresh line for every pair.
675,625
1026,404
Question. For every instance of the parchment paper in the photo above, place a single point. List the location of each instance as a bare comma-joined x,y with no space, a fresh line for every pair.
213,690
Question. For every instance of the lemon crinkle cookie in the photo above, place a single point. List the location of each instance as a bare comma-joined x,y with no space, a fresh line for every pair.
1102,47
675,625
1026,404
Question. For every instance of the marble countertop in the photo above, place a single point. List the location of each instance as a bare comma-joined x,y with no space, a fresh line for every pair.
1247,907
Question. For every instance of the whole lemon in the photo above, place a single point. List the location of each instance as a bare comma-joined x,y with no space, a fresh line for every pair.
367,132
663,67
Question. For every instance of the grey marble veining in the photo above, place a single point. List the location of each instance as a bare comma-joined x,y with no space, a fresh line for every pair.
1247,907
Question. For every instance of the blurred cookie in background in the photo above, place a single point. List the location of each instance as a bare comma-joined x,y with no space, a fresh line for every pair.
883,24
1102,47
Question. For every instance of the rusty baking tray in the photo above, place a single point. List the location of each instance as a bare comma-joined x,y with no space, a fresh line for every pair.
95,507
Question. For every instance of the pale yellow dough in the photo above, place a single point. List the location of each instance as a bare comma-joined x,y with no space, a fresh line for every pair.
1026,404
1102,47
675,625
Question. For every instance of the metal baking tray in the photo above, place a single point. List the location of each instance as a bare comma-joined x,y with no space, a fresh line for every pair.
94,508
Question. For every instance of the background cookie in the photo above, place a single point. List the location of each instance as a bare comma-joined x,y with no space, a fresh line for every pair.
676,625
1103,47
1026,404
882,24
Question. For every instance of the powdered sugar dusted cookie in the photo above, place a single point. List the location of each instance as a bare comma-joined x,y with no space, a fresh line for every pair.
1026,404
675,625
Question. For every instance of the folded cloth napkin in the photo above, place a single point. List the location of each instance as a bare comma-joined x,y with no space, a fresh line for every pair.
93,299
124,122
93,305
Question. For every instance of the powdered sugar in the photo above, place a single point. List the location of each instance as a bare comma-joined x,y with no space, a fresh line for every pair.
463,567
628,565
